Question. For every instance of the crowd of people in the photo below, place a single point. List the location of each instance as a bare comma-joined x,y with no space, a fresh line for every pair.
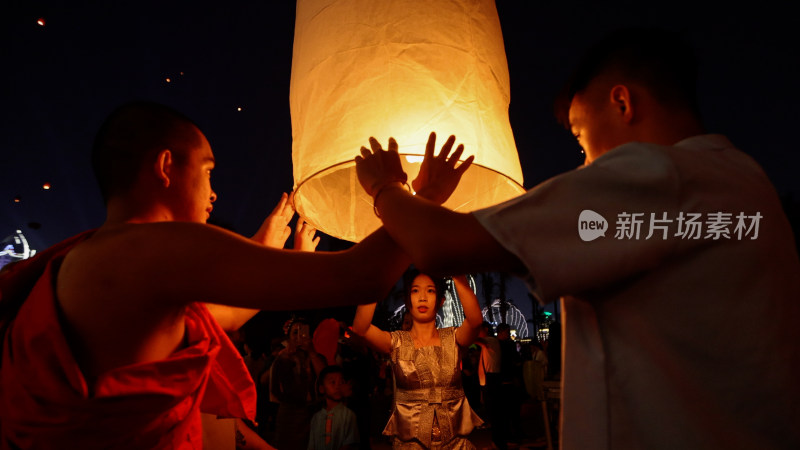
116,338
365,387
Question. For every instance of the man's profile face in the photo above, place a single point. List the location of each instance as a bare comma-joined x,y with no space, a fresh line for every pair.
594,121
192,178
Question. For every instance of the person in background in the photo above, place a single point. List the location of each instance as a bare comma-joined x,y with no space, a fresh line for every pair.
293,378
510,384
334,427
430,409
491,383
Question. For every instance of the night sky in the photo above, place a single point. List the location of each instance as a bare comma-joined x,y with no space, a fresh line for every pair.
60,80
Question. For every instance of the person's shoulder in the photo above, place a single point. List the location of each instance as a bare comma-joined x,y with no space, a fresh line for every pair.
399,334
344,409
450,332
636,158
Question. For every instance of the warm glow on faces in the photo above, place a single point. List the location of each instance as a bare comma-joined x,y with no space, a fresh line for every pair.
192,180
423,299
595,122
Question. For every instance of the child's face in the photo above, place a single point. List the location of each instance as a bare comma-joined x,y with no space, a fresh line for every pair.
332,386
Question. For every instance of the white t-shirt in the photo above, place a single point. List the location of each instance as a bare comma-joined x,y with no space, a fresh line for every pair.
687,338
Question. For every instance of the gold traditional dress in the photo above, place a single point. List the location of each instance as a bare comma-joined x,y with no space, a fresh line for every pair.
428,391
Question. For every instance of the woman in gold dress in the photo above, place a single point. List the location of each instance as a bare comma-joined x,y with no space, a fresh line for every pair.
430,409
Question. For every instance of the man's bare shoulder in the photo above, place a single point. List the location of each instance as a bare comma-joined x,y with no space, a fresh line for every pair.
138,247
110,300
122,259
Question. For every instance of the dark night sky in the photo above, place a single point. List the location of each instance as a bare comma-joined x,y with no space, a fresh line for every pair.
59,81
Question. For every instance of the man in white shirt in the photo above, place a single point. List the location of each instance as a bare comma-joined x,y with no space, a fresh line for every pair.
673,259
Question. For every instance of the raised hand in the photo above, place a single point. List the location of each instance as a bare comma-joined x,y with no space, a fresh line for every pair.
275,230
438,176
304,236
379,167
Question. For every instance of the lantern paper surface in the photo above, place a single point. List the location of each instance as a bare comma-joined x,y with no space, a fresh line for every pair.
401,69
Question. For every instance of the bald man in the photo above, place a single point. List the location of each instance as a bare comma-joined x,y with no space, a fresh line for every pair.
116,338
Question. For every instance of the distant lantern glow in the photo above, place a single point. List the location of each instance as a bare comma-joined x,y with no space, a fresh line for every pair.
46,186
17,199
40,21
403,68
169,80
239,108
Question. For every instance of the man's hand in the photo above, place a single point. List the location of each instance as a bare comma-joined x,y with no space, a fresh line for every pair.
304,239
438,176
378,168
275,230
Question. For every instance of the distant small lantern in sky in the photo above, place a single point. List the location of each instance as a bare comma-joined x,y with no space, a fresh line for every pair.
239,108
399,69
46,186
17,199
40,21
169,80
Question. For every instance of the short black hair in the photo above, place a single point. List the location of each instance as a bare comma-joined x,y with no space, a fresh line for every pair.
658,59
132,133
327,370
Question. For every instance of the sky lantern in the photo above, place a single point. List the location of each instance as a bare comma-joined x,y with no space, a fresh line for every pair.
364,68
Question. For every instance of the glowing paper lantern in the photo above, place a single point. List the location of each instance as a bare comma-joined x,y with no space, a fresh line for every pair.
400,68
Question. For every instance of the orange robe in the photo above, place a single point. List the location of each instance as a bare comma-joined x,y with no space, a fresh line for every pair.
45,401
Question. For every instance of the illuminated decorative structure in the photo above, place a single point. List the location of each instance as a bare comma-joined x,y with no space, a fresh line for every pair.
15,248
400,68
513,317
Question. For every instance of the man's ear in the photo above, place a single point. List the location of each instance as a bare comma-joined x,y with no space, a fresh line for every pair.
163,166
620,98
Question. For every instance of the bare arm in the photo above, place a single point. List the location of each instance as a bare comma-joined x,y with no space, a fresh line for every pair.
439,241
169,263
273,233
468,331
378,339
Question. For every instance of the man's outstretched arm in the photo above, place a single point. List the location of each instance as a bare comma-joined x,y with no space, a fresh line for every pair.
439,241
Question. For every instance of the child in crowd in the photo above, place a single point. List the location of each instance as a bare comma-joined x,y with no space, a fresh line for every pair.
334,426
